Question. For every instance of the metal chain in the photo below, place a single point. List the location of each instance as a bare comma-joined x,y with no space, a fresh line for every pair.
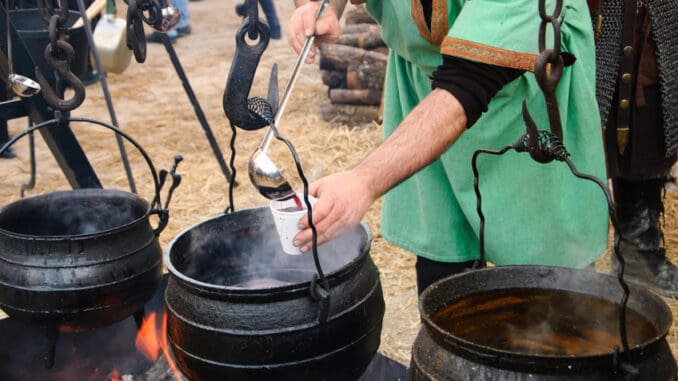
47,9
546,146
58,55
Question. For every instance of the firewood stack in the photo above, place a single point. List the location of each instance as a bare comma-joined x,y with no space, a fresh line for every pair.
353,67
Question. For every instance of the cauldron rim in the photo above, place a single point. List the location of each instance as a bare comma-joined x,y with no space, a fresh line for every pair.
478,351
294,288
87,192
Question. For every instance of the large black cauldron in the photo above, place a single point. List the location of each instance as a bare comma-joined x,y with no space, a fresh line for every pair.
239,308
80,259
77,259
475,328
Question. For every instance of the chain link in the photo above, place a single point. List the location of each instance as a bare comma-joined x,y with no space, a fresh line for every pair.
58,55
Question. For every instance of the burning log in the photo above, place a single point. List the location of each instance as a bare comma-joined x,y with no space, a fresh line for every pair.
160,371
349,114
355,97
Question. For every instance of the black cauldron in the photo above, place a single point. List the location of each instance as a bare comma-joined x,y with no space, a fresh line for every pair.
474,328
80,259
77,259
239,308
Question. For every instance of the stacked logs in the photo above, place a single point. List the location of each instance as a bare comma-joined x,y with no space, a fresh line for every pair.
353,68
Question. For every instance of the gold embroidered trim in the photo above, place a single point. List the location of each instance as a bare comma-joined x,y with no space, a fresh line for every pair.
419,20
439,26
487,54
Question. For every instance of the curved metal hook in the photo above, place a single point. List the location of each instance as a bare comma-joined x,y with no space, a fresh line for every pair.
136,39
240,77
61,66
543,146
548,73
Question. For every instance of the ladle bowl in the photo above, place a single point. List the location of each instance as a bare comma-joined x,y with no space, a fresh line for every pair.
267,178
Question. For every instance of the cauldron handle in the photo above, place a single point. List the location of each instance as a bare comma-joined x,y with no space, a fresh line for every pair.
156,204
320,287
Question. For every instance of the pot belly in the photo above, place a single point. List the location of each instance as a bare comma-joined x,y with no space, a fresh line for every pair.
82,297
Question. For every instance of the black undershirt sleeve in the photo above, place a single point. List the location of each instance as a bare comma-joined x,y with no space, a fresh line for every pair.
472,83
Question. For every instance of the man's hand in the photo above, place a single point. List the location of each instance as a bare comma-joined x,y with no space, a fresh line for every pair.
343,200
303,24
345,197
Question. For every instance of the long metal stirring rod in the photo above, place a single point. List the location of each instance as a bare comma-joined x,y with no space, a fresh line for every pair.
266,141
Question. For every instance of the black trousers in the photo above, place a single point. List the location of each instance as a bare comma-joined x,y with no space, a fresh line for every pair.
429,271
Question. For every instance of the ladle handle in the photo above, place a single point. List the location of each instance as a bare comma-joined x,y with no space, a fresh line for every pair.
266,141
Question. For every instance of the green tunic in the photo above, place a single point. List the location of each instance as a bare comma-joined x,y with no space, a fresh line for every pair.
535,213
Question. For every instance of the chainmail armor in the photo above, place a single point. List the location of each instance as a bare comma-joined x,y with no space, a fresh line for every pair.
664,19
664,16
608,51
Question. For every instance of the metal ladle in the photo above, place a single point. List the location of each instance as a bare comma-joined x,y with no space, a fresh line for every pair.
263,173
20,84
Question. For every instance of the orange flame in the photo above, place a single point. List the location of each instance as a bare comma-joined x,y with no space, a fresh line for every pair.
147,339
152,339
165,349
115,376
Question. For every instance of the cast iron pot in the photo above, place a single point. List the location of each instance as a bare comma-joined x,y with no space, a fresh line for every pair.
239,308
79,259
438,354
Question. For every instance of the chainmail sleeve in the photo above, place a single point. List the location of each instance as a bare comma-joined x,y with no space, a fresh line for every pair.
664,17
608,50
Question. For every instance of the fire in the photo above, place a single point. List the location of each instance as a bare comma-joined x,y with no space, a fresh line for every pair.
115,376
147,339
152,339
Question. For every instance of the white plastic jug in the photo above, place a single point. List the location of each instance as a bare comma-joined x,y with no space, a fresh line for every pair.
110,39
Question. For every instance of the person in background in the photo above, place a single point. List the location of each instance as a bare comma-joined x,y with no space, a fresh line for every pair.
638,96
271,16
182,28
456,77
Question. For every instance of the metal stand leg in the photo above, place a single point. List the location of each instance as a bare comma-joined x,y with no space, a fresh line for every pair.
107,95
31,151
52,335
196,106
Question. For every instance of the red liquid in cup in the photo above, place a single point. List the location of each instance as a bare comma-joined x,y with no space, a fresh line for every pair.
297,202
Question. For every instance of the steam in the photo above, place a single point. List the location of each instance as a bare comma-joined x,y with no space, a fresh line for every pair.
237,250
71,213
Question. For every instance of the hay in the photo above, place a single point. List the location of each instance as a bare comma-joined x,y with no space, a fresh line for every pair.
151,105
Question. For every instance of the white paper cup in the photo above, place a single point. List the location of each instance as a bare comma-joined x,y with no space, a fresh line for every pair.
286,216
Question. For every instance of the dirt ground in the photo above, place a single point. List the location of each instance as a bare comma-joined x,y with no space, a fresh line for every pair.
151,105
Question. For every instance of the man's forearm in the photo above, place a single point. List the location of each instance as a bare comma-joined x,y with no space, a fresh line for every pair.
425,134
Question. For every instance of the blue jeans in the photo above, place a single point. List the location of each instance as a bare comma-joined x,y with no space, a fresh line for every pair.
182,6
